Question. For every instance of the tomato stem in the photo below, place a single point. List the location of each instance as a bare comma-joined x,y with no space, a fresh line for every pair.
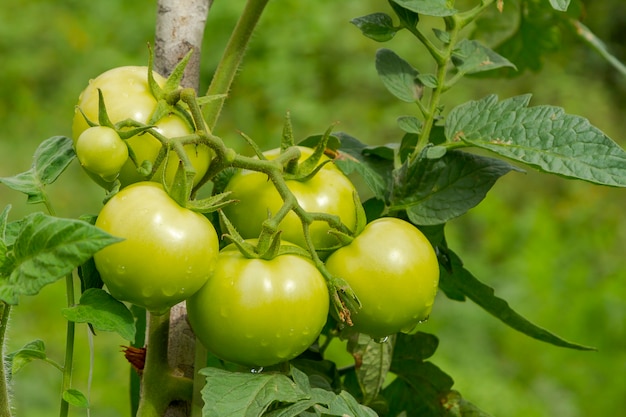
5,408
69,346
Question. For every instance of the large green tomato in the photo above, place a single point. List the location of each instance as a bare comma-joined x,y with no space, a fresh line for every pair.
257,312
101,152
127,96
329,191
394,272
168,252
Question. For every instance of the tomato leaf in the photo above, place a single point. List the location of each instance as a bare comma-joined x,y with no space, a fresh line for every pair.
31,351
245,394
407,17
398,76
470,57
456,405
544,137
428,7
46,249
376,26
98,308
560,5
456,277
76,398
374,359
51,158
433,191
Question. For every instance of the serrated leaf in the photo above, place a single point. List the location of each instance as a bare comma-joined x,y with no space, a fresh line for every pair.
374,170
46,249
237,394
376,26
471,56
398,76
459,278
560,5
428,7
544,137
50,159
433,191
98,308
76,398
373,359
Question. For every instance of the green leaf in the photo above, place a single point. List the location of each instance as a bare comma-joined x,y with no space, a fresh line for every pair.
374,359
407,17
375,171
544,137
457,406
51,158
76,398
433,191
345,404
234,394
98,308
410,124
35,350
46,249
428,7
471,56
454,275
398,76
560,5
376,26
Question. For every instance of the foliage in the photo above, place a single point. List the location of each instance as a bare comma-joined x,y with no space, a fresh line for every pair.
426,177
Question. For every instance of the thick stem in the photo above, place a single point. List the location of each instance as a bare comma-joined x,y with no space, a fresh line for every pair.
232,57
180,28
5,407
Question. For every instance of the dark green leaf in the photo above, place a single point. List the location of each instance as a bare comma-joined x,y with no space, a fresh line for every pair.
376,26
407,17
46,249
233,394
428,7
398,76
51,158
76,398
471,56
544,137
433,191
374,359
374,170
456,276
103,312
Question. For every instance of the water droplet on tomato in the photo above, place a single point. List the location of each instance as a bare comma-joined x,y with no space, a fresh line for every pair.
256,370
121,269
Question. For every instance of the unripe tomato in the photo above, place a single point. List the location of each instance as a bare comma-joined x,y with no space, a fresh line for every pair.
259,312
168,252
102,152
393,270
329,191
127,95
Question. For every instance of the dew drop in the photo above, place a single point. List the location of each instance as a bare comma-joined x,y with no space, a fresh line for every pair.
256,370
121,269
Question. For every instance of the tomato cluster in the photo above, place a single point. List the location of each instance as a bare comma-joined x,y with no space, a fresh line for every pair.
252,307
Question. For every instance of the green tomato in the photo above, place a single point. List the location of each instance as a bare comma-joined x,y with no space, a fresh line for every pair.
101,152
168,252
127,95
393,270
257,312
329,191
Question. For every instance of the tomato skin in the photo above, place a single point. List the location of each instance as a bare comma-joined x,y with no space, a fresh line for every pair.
257,312
168,252
101,152
127,96
393,270
329,191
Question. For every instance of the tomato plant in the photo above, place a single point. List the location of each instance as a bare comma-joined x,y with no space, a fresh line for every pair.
329,191
168,251
259,312
393,269
312,269
128,96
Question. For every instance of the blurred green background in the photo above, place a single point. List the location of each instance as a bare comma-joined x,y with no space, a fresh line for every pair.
553,248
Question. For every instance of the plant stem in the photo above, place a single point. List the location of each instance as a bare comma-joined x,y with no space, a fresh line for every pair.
5,408
231,59
69,346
